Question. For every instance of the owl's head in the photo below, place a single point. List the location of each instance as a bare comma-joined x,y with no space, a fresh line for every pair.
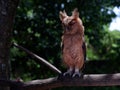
71,24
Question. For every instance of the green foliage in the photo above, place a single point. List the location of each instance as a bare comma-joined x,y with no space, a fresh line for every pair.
110,45
38,28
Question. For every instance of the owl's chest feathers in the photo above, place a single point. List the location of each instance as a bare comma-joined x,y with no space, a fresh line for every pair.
72,43
69,40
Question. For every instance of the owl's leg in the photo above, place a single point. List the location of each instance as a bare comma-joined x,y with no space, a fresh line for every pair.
69,72
77,73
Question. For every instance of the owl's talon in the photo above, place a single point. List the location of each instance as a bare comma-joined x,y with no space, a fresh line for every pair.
67,73
77,74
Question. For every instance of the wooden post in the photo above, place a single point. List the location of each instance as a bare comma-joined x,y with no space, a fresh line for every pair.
7,13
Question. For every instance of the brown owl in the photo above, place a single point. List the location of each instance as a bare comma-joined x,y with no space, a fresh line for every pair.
73,44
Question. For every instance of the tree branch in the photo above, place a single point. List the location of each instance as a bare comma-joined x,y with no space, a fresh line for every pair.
40,59
7,15
86,80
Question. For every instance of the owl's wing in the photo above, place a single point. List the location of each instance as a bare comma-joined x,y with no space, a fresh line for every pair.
84,53
84,50
62,45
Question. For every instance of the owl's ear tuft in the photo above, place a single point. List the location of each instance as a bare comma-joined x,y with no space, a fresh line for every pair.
75,13
62,15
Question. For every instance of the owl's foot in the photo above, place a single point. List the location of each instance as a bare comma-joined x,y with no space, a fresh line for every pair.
69,72
77,73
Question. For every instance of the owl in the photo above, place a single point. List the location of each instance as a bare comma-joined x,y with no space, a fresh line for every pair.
73,43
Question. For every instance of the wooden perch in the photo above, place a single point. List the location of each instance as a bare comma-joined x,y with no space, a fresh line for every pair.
86,80
40,59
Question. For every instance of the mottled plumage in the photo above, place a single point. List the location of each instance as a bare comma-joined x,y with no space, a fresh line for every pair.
73,45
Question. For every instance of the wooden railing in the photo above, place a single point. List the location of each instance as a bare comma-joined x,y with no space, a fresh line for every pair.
61,81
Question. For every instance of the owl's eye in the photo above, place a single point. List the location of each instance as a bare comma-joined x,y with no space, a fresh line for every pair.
72,22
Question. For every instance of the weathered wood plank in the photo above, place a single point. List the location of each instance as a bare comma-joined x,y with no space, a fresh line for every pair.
86,80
